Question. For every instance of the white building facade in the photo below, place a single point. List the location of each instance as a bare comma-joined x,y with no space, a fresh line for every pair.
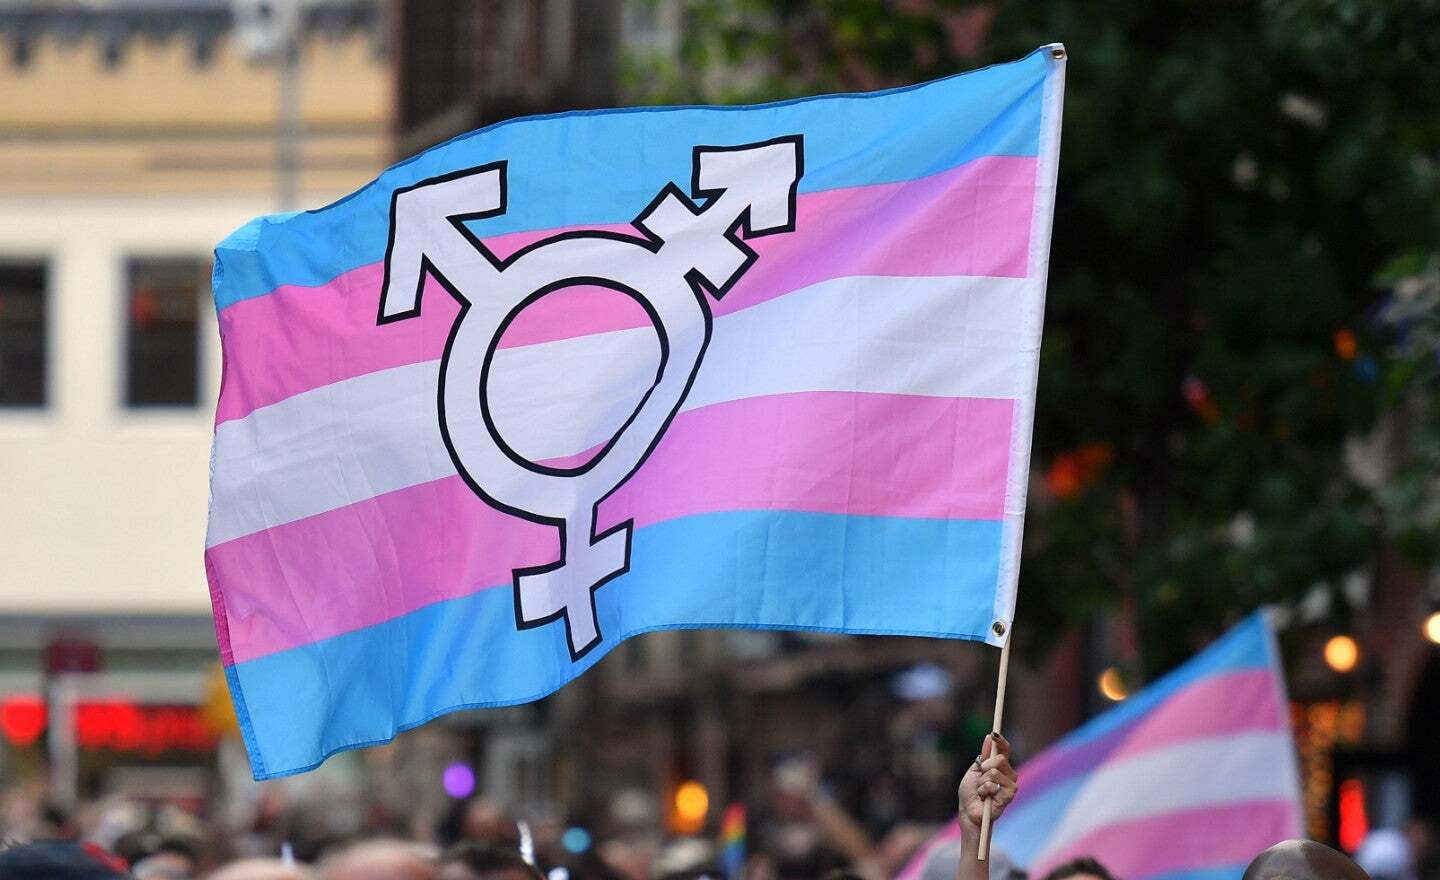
133,137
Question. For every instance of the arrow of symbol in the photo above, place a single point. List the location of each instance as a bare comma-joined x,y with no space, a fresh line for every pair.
683,250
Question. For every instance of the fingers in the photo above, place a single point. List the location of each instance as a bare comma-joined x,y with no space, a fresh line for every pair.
991,775
995,781
1000,799
998,763
993,745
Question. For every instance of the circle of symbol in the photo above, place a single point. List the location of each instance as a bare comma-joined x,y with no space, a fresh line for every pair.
488,464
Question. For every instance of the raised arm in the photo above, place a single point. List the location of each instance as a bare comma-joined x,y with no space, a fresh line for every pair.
991,777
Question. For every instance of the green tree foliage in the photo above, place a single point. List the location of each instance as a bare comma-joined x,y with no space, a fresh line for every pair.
1235,177
1408,496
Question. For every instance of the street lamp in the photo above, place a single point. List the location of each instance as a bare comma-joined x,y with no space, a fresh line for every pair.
268,31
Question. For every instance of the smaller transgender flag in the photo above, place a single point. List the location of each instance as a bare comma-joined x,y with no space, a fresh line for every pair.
1186,780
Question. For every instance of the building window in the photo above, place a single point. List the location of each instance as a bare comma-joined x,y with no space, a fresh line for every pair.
162,343
22,333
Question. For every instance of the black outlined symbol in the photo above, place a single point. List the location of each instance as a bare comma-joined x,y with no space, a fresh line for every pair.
680,253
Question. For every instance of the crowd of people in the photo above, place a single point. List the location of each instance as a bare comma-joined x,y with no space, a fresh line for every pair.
398,860
484,843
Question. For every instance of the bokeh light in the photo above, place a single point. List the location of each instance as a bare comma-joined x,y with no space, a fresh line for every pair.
576,840
692,803
1354,823
1342,653
459,780
1112,685
1432,627
1345,344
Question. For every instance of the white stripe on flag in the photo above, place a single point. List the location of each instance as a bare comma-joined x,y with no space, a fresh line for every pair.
1209,772
349,441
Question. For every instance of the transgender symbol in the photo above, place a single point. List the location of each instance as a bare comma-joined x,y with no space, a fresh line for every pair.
680,252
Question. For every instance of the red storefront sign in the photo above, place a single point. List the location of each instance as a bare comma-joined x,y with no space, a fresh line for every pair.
22,719
113,725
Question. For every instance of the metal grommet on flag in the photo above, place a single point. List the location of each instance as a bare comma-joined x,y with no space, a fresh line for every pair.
998,627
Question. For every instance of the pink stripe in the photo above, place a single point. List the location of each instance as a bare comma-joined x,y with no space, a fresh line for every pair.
1182,841
1225,704
585,308
862,454
222,626
971,220
1222,704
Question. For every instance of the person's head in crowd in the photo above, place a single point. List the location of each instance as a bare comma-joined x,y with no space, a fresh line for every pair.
482,820
380,860
591,866
1303,860
688,858
261,869
171,859
54,860
629,856
1084,868
134,846
711,873
165,866
943,863
474,861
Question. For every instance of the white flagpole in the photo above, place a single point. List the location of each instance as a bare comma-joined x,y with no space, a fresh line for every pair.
984,850
1049,156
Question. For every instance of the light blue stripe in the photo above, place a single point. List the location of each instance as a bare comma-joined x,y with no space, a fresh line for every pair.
597,167
766,569
1218,872
1028,825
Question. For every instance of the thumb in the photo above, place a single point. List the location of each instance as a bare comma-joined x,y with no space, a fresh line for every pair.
987,747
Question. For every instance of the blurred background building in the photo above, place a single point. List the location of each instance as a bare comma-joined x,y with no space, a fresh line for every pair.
134,135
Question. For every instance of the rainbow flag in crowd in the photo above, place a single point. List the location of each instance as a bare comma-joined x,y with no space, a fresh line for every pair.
571,378
732,841
1186,780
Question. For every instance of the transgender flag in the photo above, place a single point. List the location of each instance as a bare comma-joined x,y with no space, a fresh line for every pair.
1186,780
572,378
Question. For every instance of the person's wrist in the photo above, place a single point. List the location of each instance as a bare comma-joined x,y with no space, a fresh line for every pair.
969,835
965,822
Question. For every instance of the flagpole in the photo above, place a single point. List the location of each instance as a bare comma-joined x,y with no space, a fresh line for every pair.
984,851
1043,218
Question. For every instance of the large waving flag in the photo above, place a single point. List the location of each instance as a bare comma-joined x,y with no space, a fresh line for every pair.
572,378
1186,780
